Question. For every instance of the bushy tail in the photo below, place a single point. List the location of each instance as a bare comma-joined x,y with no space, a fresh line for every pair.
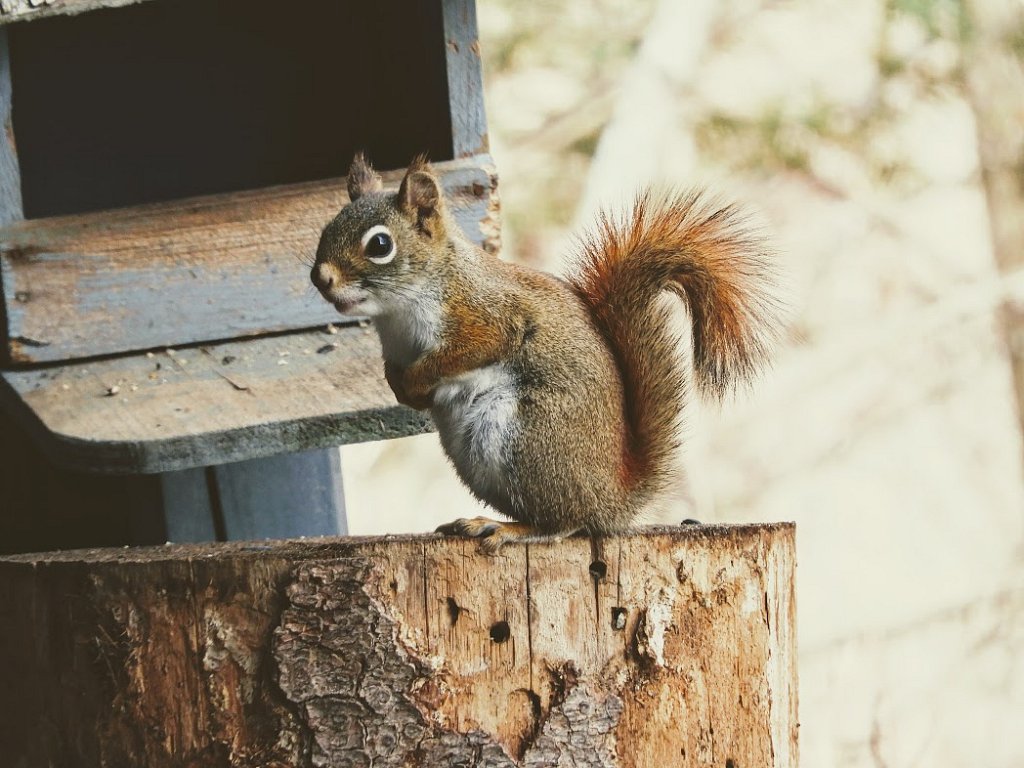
702,252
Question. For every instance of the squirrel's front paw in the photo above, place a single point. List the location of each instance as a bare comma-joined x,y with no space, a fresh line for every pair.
416,393
396,380
419,402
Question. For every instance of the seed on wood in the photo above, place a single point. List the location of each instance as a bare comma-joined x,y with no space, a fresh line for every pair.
111,391
228,359
326,348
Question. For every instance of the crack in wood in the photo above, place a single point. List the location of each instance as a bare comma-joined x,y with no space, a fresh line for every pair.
314,654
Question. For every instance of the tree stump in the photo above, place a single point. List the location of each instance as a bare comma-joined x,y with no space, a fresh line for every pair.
668,647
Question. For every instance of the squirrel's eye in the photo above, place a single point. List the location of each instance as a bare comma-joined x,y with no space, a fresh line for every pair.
378,245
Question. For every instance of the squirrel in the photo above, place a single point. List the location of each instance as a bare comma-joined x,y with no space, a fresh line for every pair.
558,401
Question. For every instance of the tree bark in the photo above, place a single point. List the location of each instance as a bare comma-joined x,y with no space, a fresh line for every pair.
668,647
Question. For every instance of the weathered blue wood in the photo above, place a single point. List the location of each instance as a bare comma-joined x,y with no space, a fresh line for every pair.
218,267
188,513
465,79
10,180
212,404
283,497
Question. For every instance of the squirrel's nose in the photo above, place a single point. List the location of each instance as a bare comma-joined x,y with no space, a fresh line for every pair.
324,276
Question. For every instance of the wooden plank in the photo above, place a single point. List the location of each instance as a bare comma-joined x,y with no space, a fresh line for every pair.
26,10
282,497
217,267
465,79
10,180
405,651
188,511
210,404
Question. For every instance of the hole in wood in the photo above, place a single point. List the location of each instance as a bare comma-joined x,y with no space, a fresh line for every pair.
730,763
618,618
598,569
500,632
454,609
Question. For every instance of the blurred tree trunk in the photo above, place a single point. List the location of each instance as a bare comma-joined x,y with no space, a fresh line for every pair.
995,86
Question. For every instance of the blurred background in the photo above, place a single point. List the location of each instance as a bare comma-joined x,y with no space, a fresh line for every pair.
879,142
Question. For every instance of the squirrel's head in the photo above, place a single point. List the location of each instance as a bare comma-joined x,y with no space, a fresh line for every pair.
380,245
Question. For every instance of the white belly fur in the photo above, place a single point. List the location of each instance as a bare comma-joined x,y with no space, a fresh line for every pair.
475,413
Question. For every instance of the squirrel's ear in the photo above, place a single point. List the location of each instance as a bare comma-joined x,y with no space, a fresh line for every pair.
420,196
362,179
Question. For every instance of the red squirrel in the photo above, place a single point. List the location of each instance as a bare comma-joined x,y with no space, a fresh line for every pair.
557,401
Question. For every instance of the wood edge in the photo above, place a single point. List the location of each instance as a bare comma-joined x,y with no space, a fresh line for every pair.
470,183
466,109
776,534
172,454
447,169
262,440
50,9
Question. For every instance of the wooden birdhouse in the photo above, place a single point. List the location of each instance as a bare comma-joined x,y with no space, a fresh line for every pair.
165,171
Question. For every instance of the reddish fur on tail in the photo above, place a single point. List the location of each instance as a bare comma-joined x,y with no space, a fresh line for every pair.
703,253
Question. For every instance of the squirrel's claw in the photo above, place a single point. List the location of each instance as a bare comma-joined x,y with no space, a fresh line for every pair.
492,534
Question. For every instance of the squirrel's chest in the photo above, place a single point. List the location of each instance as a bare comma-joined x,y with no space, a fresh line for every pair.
475,414
406,335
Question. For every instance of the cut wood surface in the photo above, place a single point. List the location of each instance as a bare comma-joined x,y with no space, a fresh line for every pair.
174,273
211,404
667,647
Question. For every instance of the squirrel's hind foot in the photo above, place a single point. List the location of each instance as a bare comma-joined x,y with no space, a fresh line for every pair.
493,535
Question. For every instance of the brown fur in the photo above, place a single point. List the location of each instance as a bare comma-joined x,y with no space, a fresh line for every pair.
362,179
599,381
703,253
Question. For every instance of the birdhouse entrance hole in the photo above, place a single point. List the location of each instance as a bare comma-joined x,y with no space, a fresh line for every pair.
165,100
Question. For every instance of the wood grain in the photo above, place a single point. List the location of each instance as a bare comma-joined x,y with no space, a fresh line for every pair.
25,10
465,79
10,180
406,651
210,404
216,267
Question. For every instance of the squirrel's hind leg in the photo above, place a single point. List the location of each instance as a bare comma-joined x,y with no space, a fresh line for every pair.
493,534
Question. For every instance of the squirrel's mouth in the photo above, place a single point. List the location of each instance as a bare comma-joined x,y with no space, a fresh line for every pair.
347,306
